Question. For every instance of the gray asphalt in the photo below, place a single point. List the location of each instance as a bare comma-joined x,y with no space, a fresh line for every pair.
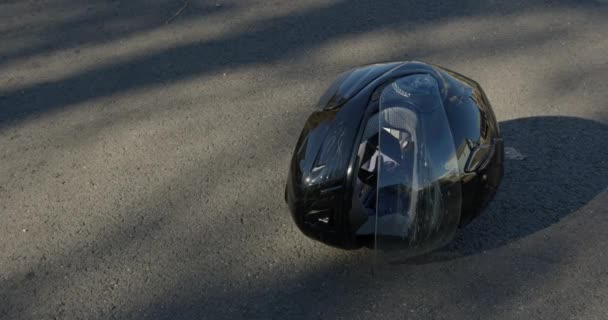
144,149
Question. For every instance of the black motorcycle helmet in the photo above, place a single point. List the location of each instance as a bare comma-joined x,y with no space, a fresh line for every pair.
398,155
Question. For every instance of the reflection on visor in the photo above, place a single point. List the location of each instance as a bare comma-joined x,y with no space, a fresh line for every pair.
408,182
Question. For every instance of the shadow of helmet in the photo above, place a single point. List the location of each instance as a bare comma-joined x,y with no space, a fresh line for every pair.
562,164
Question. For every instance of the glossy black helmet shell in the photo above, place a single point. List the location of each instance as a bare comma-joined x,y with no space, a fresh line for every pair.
326,164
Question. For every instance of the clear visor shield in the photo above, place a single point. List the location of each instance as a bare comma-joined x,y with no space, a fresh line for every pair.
417,189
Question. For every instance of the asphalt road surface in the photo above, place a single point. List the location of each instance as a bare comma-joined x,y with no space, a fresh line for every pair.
144,148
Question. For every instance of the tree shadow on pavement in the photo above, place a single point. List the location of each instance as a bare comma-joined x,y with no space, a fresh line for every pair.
43,28
266,41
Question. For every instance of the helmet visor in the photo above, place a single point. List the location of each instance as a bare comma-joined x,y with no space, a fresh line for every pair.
415,201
